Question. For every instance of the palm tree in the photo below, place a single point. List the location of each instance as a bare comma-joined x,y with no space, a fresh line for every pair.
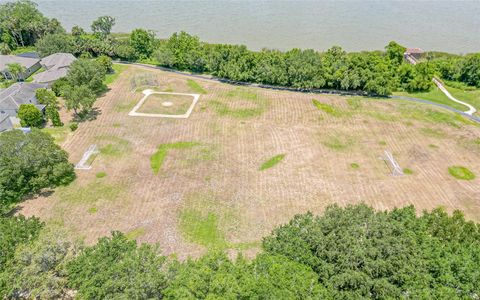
16,70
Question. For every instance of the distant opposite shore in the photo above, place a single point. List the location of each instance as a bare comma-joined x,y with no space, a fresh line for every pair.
449,26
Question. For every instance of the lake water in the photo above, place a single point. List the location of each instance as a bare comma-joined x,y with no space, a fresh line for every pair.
452,26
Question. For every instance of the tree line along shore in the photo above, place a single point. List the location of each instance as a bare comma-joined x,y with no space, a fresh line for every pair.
374,72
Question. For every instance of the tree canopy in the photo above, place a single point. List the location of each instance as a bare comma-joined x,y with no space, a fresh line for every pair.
347,253
30,163
30,116
360,253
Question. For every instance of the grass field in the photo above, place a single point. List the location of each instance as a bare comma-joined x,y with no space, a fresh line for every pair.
195,184
463,93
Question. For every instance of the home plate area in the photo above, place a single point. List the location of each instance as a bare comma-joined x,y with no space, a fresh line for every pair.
165,105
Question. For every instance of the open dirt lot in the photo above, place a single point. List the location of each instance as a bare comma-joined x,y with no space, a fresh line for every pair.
211,191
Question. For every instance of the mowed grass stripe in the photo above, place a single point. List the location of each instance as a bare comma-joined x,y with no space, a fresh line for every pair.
272,162
196,87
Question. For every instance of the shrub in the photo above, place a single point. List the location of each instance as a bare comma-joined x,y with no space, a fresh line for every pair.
73,126
461,173
30,116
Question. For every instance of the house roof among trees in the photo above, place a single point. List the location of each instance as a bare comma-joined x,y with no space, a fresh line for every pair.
50,75
58,60
5,123
414,51
20,93
26,62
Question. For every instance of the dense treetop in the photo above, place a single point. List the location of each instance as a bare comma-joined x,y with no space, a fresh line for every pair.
346,253
360,253
30,163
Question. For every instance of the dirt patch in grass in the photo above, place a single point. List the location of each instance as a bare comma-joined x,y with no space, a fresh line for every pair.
272,162
166,104
461,173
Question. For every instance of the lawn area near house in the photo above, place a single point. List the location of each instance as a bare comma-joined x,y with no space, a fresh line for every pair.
195,184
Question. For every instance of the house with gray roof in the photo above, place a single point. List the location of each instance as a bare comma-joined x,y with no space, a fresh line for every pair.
30,64
56,65
12,97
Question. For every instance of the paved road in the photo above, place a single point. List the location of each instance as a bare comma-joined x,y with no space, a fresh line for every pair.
316,91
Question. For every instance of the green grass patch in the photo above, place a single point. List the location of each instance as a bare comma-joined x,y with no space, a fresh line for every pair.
434,116
355,166
461,173
59,134
382,143
224,110
434,95
239,96
92,210
101,174
272,162
135,233
242,93
407,171
202,229
355,103
329,109
338,142
117,69
157,159
91,193
113,146
195,87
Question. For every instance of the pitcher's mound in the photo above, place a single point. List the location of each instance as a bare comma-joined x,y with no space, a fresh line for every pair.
167,103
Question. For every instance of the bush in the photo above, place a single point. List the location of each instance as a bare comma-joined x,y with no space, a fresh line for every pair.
55,43
30,116
461,173
59,86
106,63
73,126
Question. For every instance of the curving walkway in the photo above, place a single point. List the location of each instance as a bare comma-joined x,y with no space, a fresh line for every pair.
471,109
466,114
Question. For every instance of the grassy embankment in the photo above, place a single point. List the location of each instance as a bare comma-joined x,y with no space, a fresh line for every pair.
462,92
